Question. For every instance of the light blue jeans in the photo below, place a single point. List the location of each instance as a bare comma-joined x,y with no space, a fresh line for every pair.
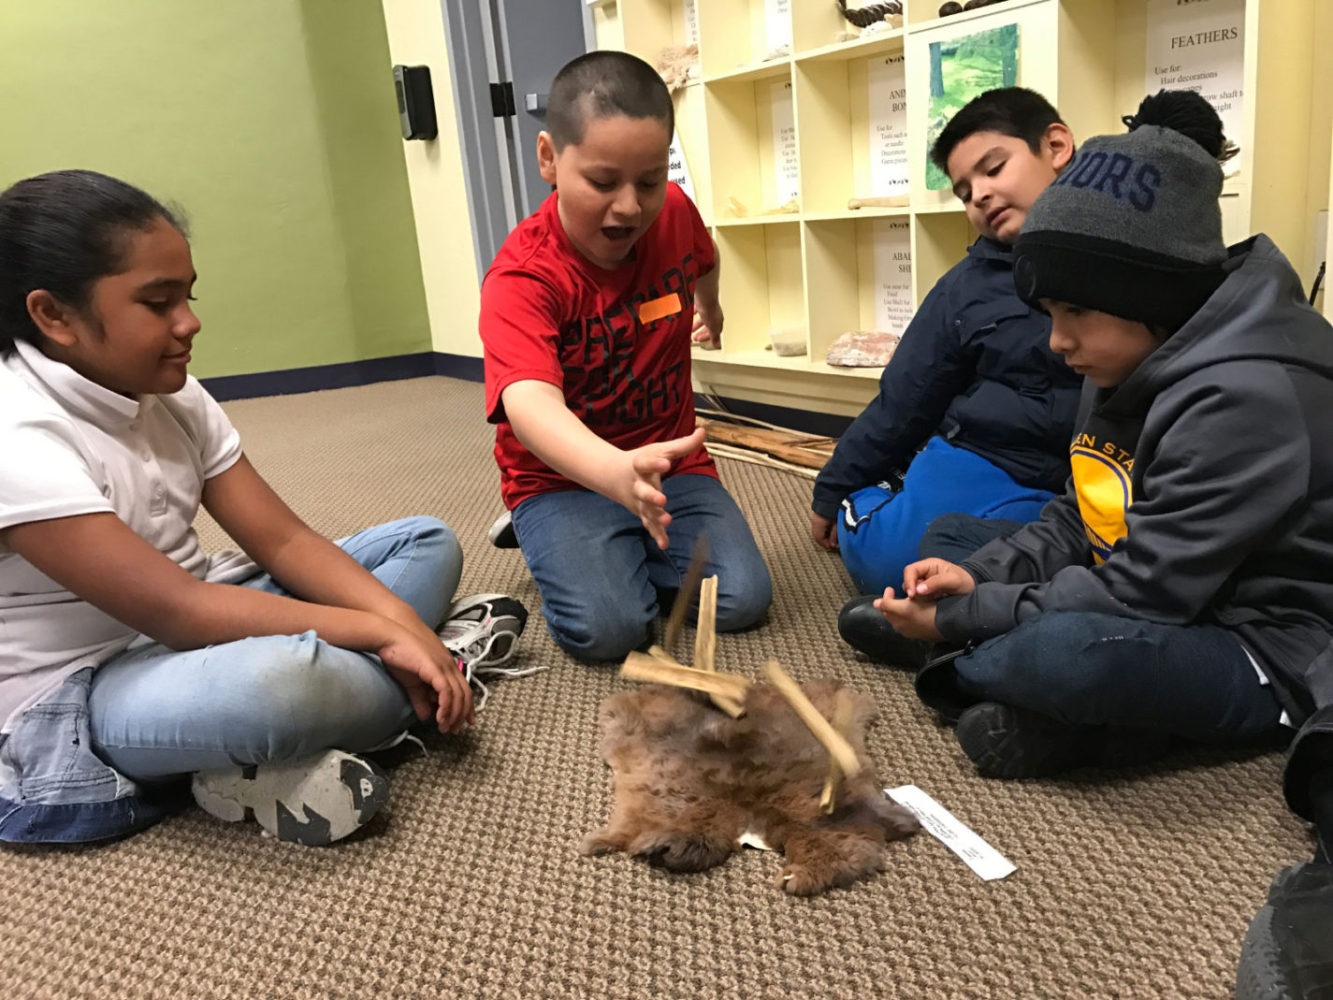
156,712
599,571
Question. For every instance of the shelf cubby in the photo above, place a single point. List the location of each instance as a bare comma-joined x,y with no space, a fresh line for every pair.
750,176
649,26
736,35
837,94
761,283
848,263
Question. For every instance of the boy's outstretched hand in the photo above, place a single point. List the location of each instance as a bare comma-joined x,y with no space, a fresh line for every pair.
640,490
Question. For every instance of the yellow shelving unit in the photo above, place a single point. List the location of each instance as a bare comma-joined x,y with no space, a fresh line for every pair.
815,270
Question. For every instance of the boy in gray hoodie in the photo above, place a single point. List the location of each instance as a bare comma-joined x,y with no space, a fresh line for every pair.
1182,587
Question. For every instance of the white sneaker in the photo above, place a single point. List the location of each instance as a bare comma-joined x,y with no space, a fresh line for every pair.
314,802
502,534
482,632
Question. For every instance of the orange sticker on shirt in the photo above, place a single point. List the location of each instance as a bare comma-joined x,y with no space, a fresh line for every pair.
667,305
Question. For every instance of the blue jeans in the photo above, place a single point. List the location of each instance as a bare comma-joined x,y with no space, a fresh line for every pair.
157,712
1084,669
880,530
599,571
955,537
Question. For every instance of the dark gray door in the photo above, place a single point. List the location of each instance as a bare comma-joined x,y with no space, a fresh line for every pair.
503,54
539,36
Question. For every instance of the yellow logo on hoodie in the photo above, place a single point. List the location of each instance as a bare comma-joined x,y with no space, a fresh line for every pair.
1101,482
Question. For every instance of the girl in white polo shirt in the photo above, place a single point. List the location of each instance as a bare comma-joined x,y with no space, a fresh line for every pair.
129,658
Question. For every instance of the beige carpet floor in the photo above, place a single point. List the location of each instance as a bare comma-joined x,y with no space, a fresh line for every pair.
1136,884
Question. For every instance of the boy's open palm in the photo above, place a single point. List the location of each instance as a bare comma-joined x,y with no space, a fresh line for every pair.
641,486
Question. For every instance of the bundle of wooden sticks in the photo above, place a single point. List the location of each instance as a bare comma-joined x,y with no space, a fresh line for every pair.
793,450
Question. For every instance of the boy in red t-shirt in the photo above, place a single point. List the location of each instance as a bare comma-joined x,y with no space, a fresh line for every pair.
586,319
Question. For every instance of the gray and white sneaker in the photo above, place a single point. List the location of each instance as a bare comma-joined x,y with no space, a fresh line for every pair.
502,533
313,802
482,632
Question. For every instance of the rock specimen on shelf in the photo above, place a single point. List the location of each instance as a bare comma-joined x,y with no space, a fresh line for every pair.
862,349
786,343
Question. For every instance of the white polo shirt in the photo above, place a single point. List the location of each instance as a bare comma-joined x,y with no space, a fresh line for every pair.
69,446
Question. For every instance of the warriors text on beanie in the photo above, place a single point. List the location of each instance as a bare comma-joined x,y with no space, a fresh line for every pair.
1132,225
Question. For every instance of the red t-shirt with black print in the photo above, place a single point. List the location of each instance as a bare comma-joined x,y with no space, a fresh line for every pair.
617,343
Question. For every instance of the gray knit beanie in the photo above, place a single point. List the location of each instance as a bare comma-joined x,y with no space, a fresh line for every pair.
1132,225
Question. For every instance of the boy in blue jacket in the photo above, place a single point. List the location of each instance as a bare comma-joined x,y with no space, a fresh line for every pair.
973,379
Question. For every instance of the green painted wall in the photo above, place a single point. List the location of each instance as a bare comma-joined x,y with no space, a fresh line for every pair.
272,123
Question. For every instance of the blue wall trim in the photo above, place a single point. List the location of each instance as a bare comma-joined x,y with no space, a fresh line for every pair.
340,376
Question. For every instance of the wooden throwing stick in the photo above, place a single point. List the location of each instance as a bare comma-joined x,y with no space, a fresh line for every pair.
642,667
705,644
893,201
840,751
693,575
705,636
842,723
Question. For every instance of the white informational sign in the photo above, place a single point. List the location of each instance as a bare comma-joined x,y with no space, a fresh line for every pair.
888,126
978,855
678,170
893,275
1200,46
691,22
786,165
777,21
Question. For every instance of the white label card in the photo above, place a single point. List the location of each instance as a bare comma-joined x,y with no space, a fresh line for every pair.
893,276
1200,46
786,163
691,22
678,170
777,22
983,859
888,126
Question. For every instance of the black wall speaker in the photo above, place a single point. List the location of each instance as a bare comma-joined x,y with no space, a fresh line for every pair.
416,102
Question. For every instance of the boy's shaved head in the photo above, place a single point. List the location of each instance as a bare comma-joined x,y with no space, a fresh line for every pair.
603,85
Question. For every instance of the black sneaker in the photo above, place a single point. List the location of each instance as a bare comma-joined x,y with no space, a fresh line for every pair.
866,630
1288,949
1007,742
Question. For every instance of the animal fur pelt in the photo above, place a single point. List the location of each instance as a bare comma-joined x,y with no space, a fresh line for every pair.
689,781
